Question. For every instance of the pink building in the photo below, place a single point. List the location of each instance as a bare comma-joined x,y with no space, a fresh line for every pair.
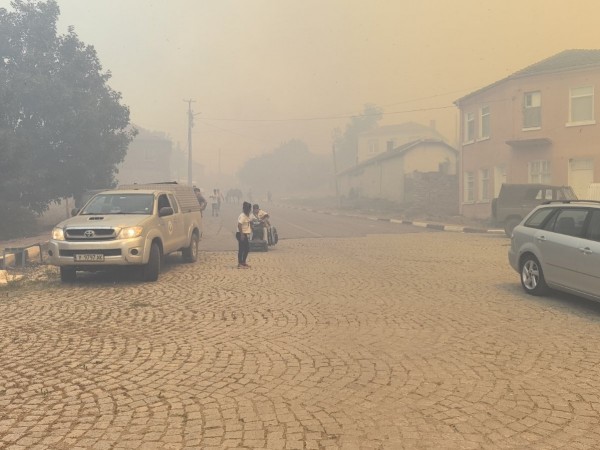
536,126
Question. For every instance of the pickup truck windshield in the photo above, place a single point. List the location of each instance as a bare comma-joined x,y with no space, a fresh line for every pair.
120,204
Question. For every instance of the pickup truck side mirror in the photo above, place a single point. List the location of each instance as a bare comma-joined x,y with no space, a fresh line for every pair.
74,211
165,211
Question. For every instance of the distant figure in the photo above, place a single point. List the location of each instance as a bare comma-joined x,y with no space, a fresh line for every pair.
233,196
243,235
269,197
214,202
201,200
220,199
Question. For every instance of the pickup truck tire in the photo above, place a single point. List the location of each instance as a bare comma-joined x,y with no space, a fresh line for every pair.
68,274
190,254
151,270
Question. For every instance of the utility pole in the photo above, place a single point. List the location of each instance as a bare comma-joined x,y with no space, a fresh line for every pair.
190,125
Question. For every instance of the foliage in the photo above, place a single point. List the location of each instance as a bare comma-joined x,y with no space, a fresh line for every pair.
16,221
289,168
62,128
346,143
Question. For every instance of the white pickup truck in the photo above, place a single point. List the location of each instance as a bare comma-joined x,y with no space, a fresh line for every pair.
133,225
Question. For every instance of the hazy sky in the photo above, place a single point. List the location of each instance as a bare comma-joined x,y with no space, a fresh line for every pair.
262,72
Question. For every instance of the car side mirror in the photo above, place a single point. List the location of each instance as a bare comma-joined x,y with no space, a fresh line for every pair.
74,211
165,211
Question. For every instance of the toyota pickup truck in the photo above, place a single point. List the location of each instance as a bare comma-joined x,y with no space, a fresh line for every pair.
134,225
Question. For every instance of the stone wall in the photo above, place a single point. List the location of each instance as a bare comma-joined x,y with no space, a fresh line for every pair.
434,193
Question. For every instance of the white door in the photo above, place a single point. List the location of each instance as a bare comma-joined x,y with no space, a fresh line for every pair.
581,174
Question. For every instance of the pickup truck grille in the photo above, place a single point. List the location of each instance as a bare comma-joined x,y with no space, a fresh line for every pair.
107,252
89,234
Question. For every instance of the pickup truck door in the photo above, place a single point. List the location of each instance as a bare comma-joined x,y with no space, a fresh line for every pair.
179,231
167,225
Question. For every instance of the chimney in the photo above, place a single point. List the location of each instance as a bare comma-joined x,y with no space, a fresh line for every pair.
390,145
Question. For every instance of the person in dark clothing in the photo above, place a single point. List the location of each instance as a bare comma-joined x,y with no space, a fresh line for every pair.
243,235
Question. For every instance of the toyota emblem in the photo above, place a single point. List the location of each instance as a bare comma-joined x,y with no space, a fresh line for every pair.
89,233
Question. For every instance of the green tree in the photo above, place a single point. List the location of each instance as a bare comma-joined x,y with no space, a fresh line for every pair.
346,143
289,168
62,128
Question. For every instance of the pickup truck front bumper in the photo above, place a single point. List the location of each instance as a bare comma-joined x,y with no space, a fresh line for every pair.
87,255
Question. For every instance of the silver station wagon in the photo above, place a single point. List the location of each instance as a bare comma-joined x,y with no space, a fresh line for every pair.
557,246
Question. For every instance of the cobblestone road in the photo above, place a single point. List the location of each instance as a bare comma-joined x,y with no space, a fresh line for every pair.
415,341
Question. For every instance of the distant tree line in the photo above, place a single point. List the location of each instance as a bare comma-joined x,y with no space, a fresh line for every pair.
62,128
290,168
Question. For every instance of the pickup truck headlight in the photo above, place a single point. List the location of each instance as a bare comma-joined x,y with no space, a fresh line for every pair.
58,234
130,232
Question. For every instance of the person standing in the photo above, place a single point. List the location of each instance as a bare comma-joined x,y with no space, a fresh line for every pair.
214,202
201,199
243,235
220,200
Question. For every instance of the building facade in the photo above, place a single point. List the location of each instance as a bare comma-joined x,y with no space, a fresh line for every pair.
148,159
535,126
384,176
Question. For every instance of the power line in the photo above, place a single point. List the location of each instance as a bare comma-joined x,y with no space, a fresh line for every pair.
306,119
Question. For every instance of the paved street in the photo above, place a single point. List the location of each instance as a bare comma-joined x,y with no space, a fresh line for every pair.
383,341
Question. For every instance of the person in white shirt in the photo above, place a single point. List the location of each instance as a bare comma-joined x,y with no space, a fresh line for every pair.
262,218
243,235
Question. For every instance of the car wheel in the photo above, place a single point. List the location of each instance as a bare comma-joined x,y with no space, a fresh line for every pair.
151,270
68,274
532,276
190,254
510,225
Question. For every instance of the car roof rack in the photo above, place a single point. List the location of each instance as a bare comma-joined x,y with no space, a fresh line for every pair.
548,202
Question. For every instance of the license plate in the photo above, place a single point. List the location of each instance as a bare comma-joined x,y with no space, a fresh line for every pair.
92,257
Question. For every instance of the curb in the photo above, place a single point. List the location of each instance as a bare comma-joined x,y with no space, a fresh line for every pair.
431,225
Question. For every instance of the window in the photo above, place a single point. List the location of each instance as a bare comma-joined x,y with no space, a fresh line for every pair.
173,203
538,218
484,122
539,172
532,110
568,221
469,128
163,202
469,187
484,184
582,105
593,231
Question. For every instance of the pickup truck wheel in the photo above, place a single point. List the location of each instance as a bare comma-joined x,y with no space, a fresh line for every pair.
190,254
151,270
68,274
510,224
